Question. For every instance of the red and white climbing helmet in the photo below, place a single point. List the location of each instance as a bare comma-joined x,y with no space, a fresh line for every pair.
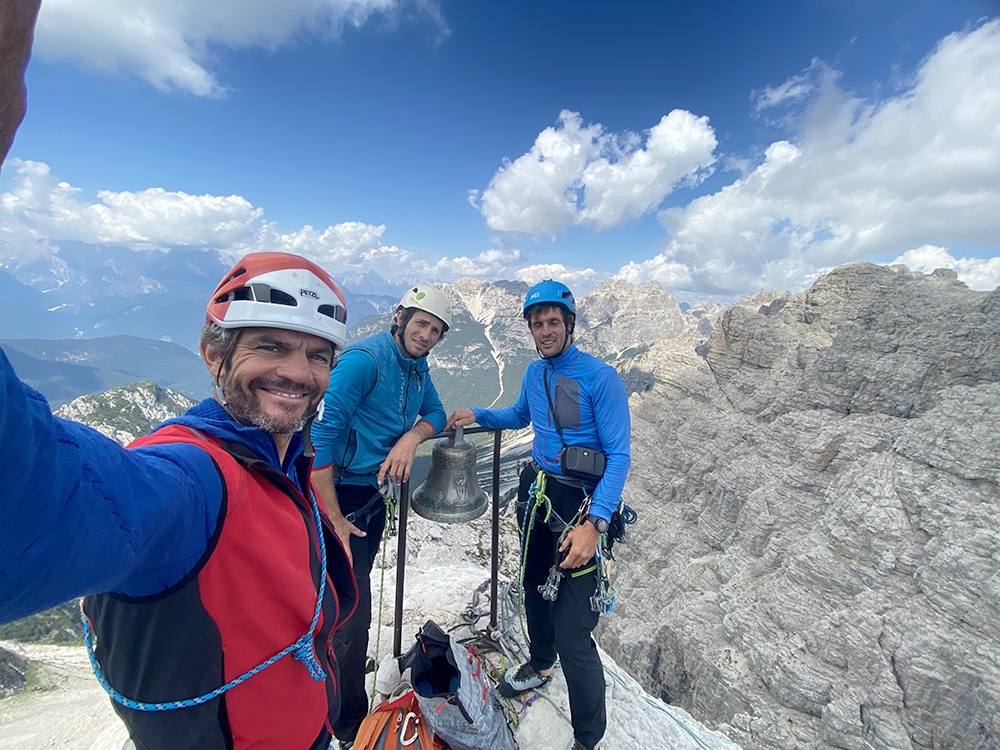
280,290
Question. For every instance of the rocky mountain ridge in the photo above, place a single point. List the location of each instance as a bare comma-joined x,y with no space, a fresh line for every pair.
818,547
125,413
818,531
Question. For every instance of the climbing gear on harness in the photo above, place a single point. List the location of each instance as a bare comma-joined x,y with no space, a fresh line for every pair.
621,519
603,600
550,589
605,595
516,681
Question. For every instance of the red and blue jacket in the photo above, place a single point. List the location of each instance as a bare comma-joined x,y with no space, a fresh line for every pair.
201,558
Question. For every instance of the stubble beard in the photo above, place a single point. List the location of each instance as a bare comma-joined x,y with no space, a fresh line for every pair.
243,402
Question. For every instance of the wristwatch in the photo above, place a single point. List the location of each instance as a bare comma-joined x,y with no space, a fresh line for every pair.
599,523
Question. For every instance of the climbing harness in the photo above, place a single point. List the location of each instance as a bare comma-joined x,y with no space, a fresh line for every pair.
364,514
603,600
302,649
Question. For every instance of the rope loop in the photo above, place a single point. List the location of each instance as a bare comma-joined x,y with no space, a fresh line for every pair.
302,648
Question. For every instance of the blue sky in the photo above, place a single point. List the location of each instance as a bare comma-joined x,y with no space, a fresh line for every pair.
718,147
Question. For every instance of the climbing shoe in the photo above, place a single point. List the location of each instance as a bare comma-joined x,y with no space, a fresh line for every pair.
516,681
369,665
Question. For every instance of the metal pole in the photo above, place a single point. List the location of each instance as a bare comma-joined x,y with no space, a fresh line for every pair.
495,557
397,626
404,506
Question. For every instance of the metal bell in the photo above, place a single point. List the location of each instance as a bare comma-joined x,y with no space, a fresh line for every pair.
450,493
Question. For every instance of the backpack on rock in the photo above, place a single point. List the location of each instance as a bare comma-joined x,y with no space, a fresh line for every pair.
395,725
458,701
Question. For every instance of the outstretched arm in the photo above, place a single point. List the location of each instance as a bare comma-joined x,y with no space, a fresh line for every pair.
82,515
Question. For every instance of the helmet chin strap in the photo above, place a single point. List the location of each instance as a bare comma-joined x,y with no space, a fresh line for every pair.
217,391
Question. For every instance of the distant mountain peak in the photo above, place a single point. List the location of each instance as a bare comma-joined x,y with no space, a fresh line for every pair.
128,412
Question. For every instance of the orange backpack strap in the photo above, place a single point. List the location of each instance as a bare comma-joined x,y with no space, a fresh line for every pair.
396,725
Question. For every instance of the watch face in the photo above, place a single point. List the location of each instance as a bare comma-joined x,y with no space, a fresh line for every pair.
599,523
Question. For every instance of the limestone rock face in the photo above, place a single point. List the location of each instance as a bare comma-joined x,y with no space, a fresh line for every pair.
125,413
618,316
817,558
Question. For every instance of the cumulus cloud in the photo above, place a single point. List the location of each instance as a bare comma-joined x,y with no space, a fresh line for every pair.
38,211
170,44
581,280
856,179
582,175
493,263
40,206
978,273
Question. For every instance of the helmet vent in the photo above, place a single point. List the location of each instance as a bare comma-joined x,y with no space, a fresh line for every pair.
336,312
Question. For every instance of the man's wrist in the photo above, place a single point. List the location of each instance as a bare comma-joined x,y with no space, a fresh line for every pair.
599,523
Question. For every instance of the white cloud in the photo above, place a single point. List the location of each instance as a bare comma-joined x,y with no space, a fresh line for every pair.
41,207
795,89
39,211
493,263
576,175
170,43
977,273
857,179
580,280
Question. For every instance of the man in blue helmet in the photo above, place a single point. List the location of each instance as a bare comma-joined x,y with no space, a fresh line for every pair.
380,405
578,408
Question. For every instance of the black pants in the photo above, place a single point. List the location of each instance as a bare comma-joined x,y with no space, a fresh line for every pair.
350,642
561,629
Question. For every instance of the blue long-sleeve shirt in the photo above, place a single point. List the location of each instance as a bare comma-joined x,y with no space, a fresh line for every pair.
375,396
590,399
81,515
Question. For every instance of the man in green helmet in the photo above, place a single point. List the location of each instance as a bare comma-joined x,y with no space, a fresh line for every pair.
381,404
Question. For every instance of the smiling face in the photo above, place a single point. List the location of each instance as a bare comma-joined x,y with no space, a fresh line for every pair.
420,334
273,379
549,330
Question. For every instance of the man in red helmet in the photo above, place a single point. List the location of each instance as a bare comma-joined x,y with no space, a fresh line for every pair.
213,583
381,404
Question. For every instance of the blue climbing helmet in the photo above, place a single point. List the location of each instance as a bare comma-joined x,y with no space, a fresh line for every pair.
550,292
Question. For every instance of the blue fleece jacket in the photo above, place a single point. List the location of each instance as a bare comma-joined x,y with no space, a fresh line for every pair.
590,399
375,396
81,515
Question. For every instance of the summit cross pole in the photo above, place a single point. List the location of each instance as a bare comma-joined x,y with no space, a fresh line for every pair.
404,505
397,620
495,555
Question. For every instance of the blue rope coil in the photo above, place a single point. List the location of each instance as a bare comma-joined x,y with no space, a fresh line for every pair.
302,649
